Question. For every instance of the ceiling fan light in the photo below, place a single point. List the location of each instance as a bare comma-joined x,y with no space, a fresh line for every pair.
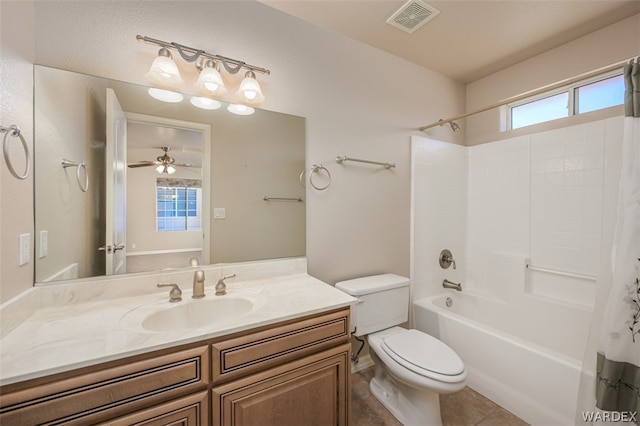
160,168
240,109
205,103
165,95
170,169
250,90
163,70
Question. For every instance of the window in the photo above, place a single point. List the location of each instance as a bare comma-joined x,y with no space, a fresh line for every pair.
178,204
603,91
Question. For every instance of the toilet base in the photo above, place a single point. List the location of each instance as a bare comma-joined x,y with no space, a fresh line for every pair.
412,407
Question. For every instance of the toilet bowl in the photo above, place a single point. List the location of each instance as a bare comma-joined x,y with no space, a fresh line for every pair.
412,368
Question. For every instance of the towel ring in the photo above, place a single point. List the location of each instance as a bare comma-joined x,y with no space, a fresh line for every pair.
315,169
302,178
83,166
14,130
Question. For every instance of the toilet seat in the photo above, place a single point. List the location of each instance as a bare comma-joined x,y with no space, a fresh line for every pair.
424,355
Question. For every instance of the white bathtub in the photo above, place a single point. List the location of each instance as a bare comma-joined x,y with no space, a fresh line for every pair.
525,355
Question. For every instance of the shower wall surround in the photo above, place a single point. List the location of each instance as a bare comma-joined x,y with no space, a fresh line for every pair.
548,199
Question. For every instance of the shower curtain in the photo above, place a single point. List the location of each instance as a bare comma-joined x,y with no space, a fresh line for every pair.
613,352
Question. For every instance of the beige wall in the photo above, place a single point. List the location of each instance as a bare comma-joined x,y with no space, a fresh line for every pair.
360,225
70,124
615,43
17,40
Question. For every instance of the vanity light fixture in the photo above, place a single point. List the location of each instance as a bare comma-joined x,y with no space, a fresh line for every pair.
210,81
164,72
250,88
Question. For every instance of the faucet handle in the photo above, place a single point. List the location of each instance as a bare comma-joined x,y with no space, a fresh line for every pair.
175,295
221,287
446,259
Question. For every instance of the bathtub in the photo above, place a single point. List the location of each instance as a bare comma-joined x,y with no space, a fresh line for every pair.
525,355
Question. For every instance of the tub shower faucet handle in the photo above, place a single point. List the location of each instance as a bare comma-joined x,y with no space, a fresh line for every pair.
446,259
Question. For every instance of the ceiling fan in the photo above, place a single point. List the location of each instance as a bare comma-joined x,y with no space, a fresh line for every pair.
164,163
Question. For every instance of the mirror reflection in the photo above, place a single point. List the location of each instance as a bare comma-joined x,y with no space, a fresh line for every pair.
153,185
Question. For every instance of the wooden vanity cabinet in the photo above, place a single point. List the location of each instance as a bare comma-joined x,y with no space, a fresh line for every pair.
293,372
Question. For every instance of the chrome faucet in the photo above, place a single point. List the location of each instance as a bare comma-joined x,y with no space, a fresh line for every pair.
198,284
448,284
175,295
221,287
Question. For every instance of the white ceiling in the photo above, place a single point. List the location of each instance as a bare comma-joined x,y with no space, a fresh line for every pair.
468,39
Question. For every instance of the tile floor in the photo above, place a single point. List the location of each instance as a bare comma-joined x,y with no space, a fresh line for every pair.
464,408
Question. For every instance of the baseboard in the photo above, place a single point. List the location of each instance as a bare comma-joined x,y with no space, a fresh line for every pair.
363,363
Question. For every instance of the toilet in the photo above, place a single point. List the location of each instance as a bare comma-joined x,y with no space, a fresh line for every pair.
412,368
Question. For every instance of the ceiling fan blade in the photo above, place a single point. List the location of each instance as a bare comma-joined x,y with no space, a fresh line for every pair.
143,164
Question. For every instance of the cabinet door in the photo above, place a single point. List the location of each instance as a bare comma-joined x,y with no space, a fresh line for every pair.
311,391
189,411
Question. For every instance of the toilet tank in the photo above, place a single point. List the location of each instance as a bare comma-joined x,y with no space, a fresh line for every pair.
383,301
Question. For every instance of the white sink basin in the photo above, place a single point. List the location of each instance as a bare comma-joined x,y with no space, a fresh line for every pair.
212,311
198,313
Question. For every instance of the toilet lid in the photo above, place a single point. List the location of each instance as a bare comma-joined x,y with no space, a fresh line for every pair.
422,353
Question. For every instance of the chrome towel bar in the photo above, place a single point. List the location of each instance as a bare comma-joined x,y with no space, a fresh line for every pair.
267,198
342,159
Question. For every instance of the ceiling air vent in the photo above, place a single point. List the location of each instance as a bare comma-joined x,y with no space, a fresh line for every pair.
412,15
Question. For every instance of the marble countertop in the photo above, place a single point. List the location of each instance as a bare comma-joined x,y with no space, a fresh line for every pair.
84,331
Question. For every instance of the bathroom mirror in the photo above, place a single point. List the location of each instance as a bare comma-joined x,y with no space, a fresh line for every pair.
234,192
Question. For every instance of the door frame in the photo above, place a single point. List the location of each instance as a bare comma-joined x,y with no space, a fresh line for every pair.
205,131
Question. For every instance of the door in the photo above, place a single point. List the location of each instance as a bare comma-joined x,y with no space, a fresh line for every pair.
116,187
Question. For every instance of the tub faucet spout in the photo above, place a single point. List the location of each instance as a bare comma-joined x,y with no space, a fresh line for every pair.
454,286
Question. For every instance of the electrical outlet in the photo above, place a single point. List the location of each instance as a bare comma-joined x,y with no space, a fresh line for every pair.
25,249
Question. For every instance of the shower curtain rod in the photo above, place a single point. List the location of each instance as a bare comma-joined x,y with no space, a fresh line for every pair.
553,86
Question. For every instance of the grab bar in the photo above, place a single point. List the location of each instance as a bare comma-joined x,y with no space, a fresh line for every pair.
341,159
267,198
563,273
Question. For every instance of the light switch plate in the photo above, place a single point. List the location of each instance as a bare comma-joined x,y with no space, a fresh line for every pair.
219,213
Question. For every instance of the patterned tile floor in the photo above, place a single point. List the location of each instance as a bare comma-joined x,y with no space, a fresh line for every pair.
464,408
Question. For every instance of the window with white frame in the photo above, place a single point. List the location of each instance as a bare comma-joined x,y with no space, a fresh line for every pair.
600,92
178,204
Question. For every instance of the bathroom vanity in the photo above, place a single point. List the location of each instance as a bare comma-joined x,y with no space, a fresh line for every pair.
285,362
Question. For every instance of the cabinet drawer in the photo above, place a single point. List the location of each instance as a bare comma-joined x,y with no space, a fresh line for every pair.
189,411
247,354
110,392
